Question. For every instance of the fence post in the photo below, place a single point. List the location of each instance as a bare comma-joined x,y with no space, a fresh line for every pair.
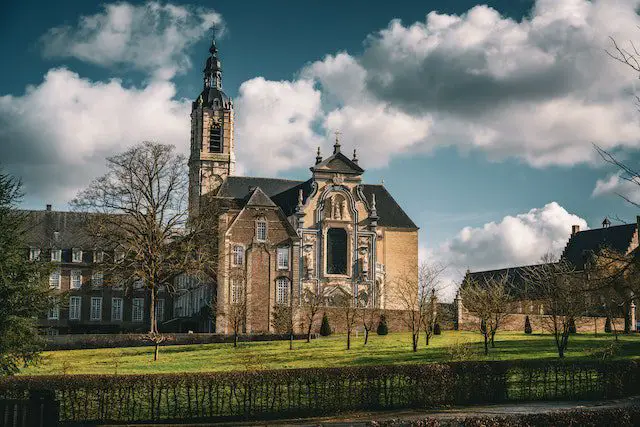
44,409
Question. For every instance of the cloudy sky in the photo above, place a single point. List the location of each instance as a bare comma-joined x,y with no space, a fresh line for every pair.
479,117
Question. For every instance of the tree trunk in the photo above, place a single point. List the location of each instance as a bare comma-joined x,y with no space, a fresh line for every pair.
627,318
235,338
426,338
414,342
348,339
156,351
486,344
291,340
493,339
153,327
309,331
366,335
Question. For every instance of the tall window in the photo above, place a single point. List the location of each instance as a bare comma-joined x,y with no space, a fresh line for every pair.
282,290
54,311
76,279
337,251
159,310
116,309
236,290
34,254
97,278
261,230
238,255
76,255
96,308
215,139
136,311
75,303
56,255
283,258
54,279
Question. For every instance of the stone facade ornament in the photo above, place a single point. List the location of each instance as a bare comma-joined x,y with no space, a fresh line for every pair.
307,255
338,179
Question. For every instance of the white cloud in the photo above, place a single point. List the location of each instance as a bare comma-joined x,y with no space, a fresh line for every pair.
541,90
513,241
57,135
151,37
616,185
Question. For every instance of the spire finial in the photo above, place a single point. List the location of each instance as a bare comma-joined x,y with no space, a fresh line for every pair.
318,156
373,202
336,146
606,222
300,198
213,49
355,157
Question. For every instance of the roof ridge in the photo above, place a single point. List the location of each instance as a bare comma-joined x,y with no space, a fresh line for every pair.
264,177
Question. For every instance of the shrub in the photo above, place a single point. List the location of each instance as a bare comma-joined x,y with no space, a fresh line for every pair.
383,329
607,326
459,352
527,325
436,329
325,329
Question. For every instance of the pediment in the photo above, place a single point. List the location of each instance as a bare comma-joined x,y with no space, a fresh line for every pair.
339,163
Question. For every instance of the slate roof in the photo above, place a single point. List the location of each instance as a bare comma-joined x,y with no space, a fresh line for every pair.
338,162
515,278
584,243
284,193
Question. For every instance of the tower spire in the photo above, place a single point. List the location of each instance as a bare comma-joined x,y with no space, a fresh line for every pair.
213,69
336,146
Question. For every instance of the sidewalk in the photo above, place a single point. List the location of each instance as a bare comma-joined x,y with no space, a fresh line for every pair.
370,419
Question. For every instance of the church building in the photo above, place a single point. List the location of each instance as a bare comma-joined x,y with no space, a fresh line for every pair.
276,237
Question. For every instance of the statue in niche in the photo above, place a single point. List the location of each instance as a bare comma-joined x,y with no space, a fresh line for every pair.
342,210
308,245
336,208
363,249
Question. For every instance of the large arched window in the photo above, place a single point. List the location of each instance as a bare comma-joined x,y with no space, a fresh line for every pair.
282,290
337,251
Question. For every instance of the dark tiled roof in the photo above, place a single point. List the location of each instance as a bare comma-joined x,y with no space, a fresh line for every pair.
515,278
68,225
338,162
284,193
389,212
258,198
584,243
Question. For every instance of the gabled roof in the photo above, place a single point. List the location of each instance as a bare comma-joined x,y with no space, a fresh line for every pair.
69,226
258,198
585,243
284,193
516,281
340,163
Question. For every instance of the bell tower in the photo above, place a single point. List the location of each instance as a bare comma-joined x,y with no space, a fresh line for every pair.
212,156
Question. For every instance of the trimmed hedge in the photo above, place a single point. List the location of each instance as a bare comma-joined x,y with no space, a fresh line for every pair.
79,342
308,392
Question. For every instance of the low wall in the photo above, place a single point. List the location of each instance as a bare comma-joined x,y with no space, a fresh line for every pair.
539,323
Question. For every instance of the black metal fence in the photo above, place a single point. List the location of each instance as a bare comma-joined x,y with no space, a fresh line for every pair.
39,410
281,393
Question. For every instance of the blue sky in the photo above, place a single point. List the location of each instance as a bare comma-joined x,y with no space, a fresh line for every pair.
480,117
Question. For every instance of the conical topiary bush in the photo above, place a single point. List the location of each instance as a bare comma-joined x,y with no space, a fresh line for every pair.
382,326
325,329
527,325
607,326
436,329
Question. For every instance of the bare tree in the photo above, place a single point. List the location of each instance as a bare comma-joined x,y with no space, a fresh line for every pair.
234,311
413,293
348,303
561,290
139,214
313,301
489,299
430,317
284,317
368,315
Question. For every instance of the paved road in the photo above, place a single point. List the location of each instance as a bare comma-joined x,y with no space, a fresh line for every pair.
368,419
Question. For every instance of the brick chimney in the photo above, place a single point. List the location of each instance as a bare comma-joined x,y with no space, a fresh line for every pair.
575,229
49,208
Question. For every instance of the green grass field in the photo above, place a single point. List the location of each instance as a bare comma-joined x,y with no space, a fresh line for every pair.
323,352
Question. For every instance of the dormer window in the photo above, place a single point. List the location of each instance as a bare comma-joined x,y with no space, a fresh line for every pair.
261,230
76,255
34,254
215,139
56,255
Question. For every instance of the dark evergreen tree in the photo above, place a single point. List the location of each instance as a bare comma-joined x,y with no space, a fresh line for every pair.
24,290
607,325
572,326
436,329
382,326
325,329
527,325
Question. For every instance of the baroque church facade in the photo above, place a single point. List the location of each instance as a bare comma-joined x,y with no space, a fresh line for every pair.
331,233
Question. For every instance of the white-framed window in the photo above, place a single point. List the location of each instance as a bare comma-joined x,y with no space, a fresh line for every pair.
76,255
54,311
75,305
238,255
236,285
96,308
116,309
261,230
137,308
56,255
54,279
76,279
159,309
282,290
283,258
118,255
34,254
97,278
98,256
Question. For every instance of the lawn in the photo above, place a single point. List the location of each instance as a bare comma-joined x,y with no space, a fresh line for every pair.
331,351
